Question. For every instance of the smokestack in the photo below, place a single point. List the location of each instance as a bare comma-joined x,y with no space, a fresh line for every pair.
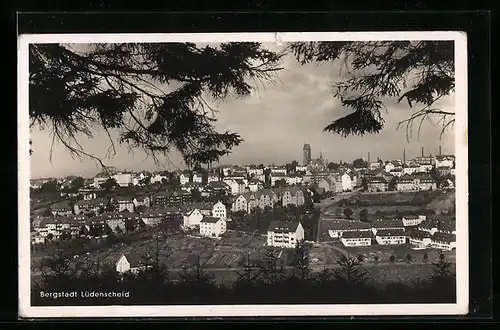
368,156
404,157
422,151
430,159
439,150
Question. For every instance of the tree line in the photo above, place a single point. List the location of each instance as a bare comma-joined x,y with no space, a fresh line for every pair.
268,281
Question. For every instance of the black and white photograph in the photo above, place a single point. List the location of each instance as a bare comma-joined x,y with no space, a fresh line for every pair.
264,174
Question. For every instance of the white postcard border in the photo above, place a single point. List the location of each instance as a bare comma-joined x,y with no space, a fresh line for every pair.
461,154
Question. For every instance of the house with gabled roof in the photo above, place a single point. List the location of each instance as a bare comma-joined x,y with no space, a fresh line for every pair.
386,224
356,238
285,234
123,203
212,226
129,262
192,218
336,228
390,236
419,238
61,208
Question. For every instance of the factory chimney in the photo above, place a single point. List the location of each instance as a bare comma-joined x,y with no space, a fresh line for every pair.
422,151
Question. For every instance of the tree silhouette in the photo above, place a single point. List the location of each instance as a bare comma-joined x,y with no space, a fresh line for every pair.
351,271
363,215
333,166
377,72
154,94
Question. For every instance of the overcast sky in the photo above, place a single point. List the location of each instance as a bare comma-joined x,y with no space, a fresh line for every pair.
274,122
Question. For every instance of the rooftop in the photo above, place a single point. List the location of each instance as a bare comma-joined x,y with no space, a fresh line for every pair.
210,220
391,232
283,226
357,234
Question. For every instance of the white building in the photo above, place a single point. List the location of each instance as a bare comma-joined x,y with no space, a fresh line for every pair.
237,186
356,238
416,183
301,168
255,185
128,263
124,179
443,241
390,237
255,171
285,234
444,160
192,218
418,238
213,177
336,228
413,221
294,179
278,169
389,167
423,168
240,204
390,224
185,177
410,170
212,226
219,210
158,178
345,182
198,178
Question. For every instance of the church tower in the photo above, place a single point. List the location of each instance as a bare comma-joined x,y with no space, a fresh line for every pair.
307,154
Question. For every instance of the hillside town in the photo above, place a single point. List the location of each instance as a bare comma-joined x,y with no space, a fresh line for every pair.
213,201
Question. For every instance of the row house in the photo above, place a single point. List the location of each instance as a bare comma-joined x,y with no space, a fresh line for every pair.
175,198
278,170
122,221
433,226
387,224
217,188
390,237
61,209
337,228
374,166
255,185
356,238
93,206
301,168
375,184
293,179
212,226
97,224
424,160
190,186
213,177
254,171
445,161
411,169
143,200
248,201
419,238
396,173
154,217
237,186
291,196
443,241
285,234
57,226
411,221
123,203
415,183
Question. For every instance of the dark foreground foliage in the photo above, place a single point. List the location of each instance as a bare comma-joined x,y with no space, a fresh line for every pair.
267,283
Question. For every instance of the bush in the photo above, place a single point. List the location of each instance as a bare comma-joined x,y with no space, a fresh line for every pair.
392,258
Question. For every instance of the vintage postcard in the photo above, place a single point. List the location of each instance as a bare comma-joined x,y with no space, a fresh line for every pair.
243,174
